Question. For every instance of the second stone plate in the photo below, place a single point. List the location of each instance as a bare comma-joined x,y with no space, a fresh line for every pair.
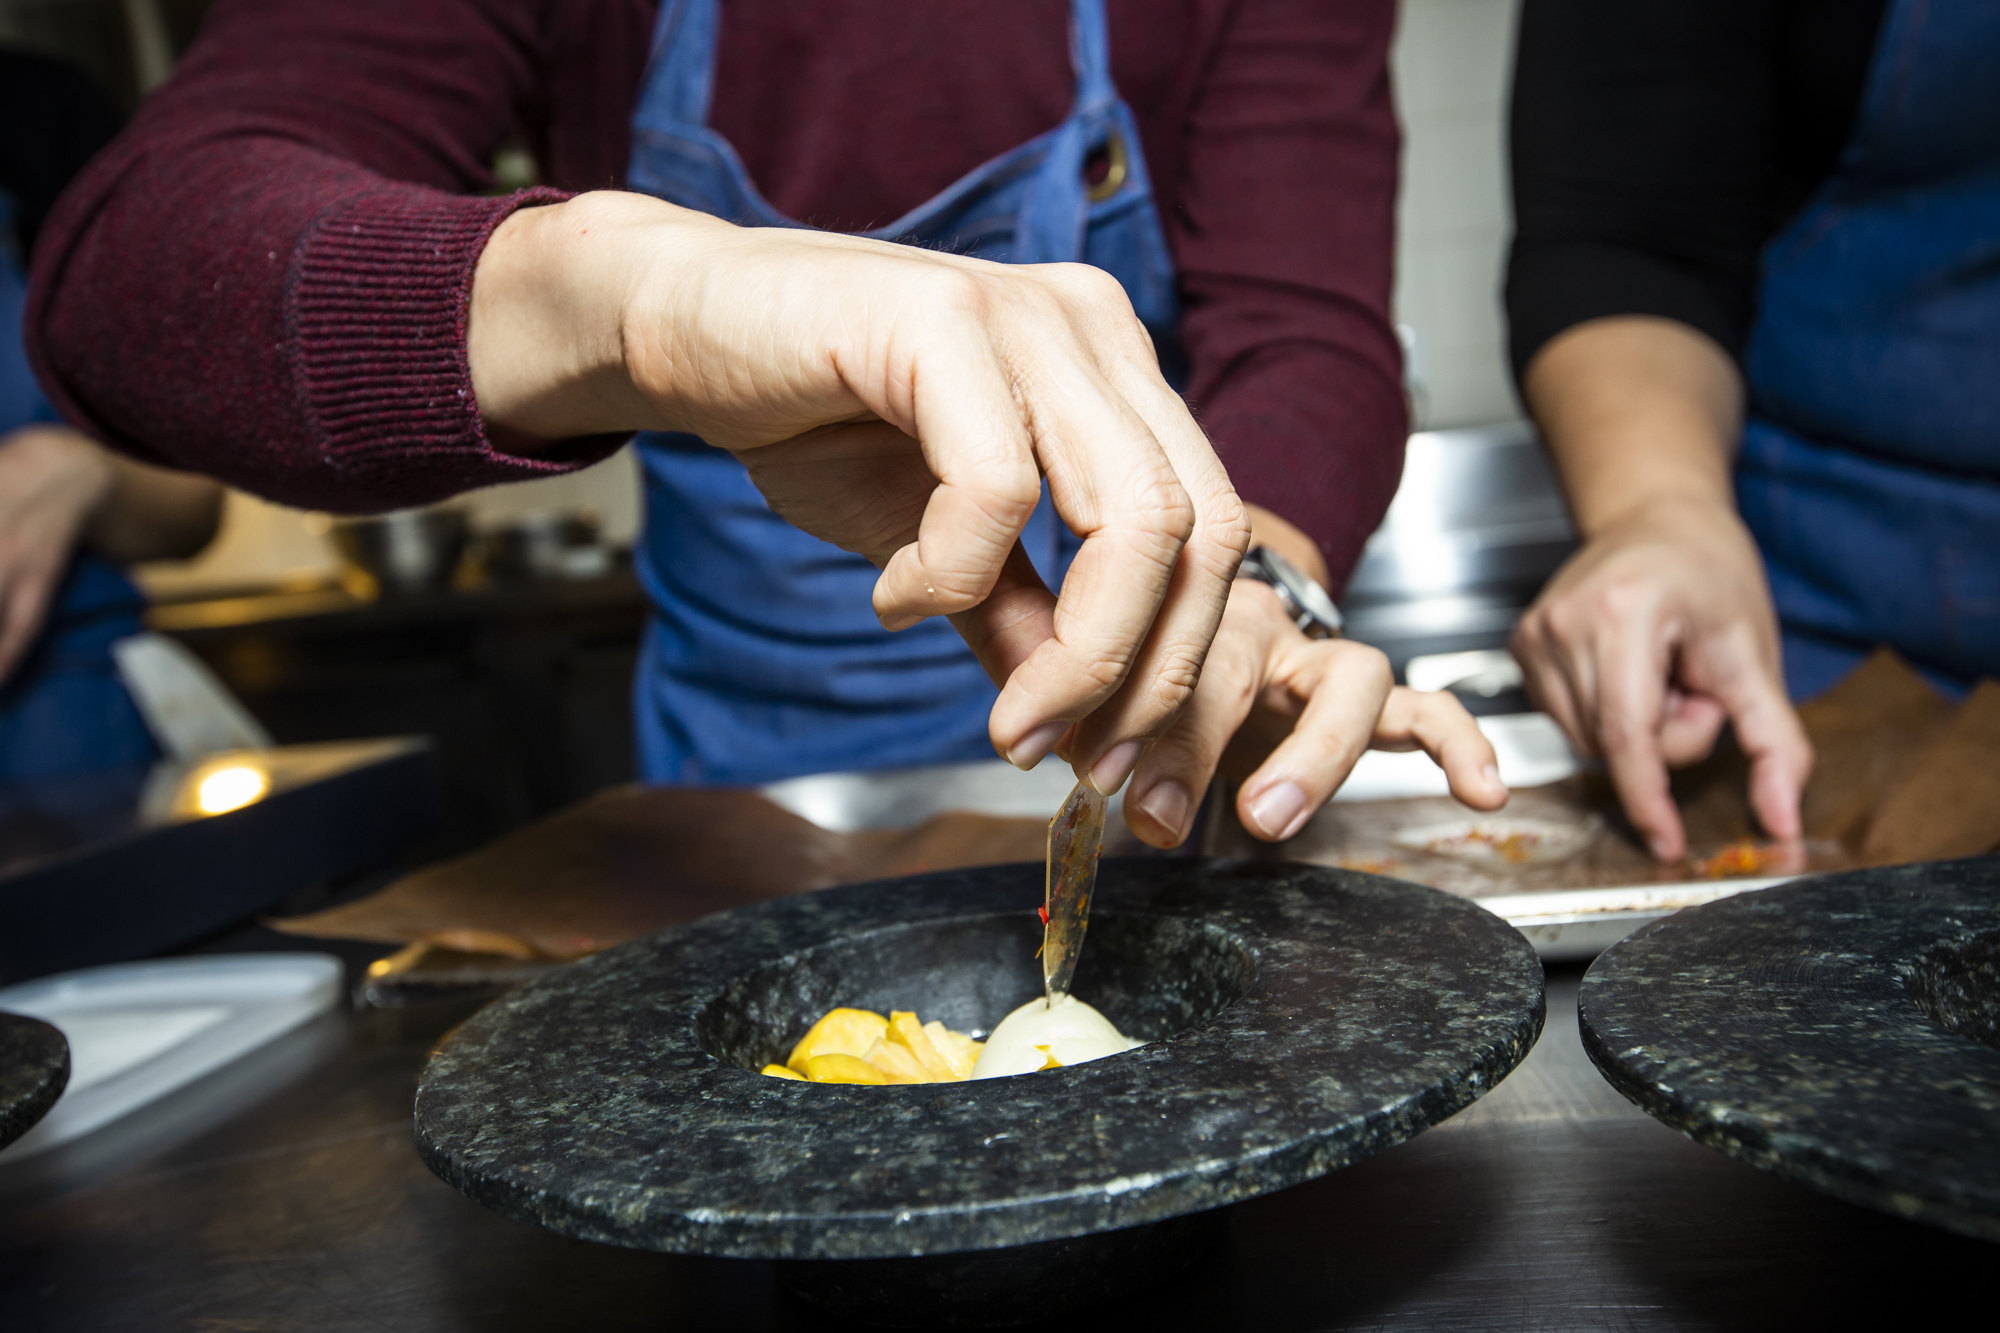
1843,1032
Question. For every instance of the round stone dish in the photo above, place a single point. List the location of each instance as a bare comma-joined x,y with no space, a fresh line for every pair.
1299,1019
34,1070
1842,1032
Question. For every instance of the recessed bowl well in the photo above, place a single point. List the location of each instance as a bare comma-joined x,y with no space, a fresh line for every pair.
1957,983
1153,976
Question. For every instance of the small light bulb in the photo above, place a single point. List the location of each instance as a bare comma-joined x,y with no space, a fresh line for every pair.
229,789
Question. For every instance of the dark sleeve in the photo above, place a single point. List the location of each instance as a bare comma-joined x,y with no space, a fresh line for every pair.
265,277
1284,239
55,119
1657,144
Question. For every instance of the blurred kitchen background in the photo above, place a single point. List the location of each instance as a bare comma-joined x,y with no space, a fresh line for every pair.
512,635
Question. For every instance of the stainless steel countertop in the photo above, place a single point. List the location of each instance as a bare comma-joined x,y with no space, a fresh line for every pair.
285,1195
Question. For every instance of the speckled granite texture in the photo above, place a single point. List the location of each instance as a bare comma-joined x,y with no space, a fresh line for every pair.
1840,1032
34,1069
1310,1017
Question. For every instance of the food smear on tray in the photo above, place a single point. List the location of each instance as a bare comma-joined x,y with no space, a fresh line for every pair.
861,1046
1752,858
1510,842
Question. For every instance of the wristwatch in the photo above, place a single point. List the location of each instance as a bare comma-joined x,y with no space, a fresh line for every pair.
1304,601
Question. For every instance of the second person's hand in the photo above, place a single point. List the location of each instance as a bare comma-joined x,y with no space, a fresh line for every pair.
904,404
1653,635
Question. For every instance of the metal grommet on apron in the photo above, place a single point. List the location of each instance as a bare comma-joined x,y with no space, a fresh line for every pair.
763,658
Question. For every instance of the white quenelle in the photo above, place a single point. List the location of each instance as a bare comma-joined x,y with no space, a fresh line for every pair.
1068,1032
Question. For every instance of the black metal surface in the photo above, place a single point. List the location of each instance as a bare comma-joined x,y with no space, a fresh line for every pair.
283,1195
146,890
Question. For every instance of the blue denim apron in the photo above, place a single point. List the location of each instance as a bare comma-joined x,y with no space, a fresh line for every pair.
63,708
763,658
1870,471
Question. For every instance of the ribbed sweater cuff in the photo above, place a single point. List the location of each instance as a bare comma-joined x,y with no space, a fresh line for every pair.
377,316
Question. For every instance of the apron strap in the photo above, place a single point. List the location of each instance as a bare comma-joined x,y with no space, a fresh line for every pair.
680,70
1090,55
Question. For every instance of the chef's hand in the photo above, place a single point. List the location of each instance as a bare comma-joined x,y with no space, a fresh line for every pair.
1651,637
904,404
51,481
1299,712
1661,627
59,488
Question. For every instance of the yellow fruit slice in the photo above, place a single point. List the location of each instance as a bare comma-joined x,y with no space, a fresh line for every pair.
949,1051
779,1071
895,1060
843,1069
841,1032
904,1028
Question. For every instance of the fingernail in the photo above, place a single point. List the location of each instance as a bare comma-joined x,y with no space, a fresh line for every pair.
1168,804
1279,810
1031,748
1115,765
1492,775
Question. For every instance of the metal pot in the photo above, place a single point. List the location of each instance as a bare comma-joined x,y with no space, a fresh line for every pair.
407,551
546,544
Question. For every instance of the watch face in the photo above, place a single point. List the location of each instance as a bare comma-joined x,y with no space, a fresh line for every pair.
1310,599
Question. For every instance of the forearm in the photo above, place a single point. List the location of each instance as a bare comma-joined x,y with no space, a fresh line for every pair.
264,280
1284,237
1635,411
151,513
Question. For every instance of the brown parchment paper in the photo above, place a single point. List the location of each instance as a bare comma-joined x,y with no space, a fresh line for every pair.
630,861
1902,774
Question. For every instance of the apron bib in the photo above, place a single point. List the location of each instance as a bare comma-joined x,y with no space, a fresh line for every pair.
763,658
1870,471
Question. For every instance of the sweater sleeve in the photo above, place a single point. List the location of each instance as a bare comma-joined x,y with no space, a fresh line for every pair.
265,278
1284,239
1658,144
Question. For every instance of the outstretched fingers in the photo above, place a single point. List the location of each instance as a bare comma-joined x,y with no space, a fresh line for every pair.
1435,722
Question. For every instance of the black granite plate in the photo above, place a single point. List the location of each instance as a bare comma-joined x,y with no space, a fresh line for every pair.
1843,1032
34,1069
1301,1019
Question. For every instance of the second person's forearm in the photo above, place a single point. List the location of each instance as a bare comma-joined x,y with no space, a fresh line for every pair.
1636,410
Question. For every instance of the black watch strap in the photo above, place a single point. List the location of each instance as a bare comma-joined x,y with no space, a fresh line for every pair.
1304,600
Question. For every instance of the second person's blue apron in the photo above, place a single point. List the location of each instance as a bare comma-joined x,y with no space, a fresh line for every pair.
763,658
1870,471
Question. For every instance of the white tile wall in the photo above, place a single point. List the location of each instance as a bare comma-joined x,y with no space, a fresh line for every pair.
1452,61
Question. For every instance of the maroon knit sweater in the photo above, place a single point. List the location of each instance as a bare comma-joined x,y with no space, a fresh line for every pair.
265,278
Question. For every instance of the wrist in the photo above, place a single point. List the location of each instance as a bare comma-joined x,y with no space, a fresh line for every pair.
550,314
1288,540
63,467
